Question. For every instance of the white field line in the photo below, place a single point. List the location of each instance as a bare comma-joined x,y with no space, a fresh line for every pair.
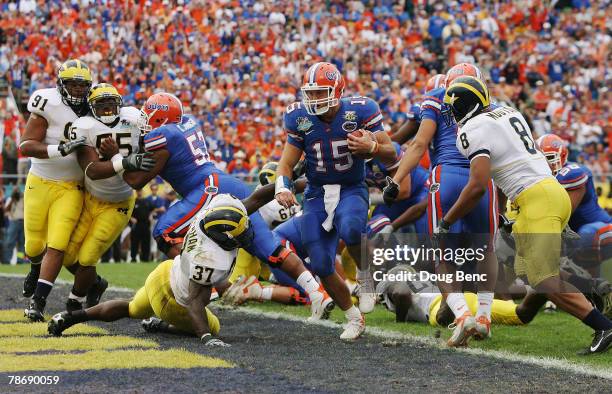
544,362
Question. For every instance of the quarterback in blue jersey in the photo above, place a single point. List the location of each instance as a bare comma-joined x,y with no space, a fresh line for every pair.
336,134
450,172
588,219
413,190
176,142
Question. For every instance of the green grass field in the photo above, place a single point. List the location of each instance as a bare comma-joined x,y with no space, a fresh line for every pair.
555,335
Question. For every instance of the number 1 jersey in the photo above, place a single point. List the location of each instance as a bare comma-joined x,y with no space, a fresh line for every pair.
189,164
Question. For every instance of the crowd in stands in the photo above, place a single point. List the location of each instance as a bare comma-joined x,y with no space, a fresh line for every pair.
238,63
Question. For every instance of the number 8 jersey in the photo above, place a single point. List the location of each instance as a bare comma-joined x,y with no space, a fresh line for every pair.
113,189
504,136
48,104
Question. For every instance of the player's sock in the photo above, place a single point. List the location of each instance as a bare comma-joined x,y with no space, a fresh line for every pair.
597,321
307,282
485,301
43,288
456,301
266,293
352,313
76,296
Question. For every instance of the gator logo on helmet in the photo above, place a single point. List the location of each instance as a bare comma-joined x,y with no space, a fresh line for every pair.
331,75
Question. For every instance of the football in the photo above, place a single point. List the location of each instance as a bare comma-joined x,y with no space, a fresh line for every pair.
359,133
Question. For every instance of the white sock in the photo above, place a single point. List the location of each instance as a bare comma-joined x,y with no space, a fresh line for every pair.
308,282
266,293
75,297
352,313
456,301
485,301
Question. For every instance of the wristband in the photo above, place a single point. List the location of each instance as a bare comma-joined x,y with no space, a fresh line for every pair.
444,224
53,151
206,337
117,161
283,184
374,147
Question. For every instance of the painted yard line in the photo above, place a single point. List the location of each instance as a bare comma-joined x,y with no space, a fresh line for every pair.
545,362
69,283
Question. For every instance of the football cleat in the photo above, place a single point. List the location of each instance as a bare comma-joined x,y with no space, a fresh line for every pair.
249,290
73,305
34,312
483,328
319,302
353,329
95,292
59,323
601,342
29,284
367,294
232,292
463,328
550,307
153,324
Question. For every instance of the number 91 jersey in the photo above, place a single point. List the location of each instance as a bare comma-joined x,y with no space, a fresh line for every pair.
201,261
504,136
328,159
126,133
48,104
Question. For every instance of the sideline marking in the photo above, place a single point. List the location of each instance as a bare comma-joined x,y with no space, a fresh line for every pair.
72,343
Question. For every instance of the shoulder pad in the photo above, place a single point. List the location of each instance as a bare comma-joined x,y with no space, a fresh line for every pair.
296,105
129,111
572,175
85,123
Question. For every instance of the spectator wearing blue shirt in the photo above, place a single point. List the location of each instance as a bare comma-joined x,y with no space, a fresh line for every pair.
157,202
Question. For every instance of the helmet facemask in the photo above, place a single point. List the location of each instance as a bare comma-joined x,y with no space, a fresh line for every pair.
106,108
318,99
554,161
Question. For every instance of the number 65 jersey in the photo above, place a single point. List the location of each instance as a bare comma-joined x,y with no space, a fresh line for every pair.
201,261
126,133
504,136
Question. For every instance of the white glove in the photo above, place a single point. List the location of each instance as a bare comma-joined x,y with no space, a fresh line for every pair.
388,229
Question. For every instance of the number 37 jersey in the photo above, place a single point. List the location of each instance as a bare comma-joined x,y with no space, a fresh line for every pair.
126,134
504,136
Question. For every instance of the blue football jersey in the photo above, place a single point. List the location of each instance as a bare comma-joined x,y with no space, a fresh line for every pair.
328,159
572,176
414,113
188,165
442,149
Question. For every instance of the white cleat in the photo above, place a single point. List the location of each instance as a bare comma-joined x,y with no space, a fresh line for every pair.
321,305
230,294
463,328
249,290
353,329
367,294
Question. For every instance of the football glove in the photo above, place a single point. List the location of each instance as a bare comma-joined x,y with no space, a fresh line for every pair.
67,147
391,191
209,340
138,162
154,324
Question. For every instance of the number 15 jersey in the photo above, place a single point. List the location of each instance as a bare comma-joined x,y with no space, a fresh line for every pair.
504,136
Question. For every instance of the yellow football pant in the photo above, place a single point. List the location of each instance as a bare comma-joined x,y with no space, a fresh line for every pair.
100,224
502,312
51,212
249,265
156,298
543,211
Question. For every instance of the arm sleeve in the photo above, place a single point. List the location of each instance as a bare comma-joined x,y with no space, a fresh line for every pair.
36,104
372,117
155,140
431,108
294,137
572,177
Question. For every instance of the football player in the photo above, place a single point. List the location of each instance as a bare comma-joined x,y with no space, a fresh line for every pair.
108,199
53,194
499,144
177,144
449,174
592,222
179,290
336,134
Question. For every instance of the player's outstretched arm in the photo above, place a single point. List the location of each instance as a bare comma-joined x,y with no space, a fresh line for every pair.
407,130
199,297
138,179
265,194
386,151
416,149
31,141
480,174
410,215
283,190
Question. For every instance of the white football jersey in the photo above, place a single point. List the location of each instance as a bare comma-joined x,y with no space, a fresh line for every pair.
504,136
127,134
201,261
48,104
423,295
274,213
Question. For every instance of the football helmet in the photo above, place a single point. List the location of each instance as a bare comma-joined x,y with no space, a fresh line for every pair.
462,70
467,97
104,102
554,149
159,109
267,175
73,82
226,222
322,88
437,81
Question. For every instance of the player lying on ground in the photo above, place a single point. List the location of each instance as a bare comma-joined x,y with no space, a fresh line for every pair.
421,301
499,144
179,290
